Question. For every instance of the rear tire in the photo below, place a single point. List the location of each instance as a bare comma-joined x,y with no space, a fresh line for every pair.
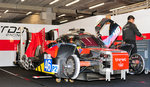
136,64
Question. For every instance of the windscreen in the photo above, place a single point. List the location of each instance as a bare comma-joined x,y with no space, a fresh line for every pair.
91,41
88,41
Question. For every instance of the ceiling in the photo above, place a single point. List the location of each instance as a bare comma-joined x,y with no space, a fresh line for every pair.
16,14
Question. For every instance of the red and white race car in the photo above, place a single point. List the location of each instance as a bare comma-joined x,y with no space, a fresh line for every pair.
76,55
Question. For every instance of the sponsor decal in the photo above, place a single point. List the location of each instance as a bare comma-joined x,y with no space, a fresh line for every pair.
11,31
48,66
10,37
120,61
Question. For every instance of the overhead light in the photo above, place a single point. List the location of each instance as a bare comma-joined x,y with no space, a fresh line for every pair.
28,13
95,6
62,15
0,16
6,11
22,0
117,8
63,21
53,2
75,1
79,17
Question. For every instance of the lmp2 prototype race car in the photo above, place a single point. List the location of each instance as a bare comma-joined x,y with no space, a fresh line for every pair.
76,55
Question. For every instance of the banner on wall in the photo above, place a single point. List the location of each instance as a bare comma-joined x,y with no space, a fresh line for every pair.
10,33
10,37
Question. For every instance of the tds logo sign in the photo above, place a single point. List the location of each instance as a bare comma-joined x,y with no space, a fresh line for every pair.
11,30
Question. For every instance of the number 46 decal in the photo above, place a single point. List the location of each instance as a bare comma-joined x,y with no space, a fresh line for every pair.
48,66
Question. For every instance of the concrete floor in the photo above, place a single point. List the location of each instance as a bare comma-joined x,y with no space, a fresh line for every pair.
18,77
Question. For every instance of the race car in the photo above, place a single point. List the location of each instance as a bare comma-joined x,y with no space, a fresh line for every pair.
76,55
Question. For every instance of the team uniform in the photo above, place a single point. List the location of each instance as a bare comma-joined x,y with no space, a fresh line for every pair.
129,35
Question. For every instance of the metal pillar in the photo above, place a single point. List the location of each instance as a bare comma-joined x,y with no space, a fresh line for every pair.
49,16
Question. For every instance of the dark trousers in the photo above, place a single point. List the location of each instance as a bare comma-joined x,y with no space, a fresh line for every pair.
133,42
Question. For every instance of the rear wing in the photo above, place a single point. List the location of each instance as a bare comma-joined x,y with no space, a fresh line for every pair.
114,31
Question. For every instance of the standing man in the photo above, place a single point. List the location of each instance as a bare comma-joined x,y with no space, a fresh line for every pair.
129,33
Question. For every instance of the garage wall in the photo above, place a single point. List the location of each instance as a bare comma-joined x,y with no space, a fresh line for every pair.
33,19
87,23
9,39
142,22
142,18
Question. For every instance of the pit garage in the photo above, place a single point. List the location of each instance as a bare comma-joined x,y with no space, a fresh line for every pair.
72,43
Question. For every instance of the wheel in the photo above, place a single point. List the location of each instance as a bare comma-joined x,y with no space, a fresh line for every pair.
72,67
71,80
146,71
58,80
66,80
136,64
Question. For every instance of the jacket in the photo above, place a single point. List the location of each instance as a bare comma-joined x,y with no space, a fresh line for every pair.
130,31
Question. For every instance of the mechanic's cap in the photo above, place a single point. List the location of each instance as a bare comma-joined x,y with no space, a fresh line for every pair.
82,30
131,17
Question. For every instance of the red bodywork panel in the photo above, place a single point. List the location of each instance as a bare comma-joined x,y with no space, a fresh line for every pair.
53,51
87,50
36,40
120,61
85,63
137,37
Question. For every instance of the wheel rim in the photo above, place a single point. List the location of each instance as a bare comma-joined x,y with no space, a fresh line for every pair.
72,67
136,63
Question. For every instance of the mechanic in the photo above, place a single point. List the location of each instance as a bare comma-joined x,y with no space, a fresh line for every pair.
129,33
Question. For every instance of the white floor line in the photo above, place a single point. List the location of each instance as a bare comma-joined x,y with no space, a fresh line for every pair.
11,73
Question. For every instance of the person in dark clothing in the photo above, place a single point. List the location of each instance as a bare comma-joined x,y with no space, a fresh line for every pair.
129,33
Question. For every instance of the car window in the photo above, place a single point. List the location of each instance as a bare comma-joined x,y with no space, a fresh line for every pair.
88,41
91,41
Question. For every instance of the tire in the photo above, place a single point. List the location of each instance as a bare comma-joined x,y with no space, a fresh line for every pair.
146,71
136,64
72,67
